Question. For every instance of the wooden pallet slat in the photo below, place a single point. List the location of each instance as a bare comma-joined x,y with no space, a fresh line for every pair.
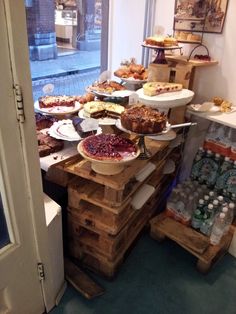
194,242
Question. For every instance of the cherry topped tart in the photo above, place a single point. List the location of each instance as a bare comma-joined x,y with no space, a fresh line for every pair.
108,147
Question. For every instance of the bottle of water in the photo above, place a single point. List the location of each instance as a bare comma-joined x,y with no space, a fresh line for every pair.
226,165
212,196
217,229
198,215
208,219
215,206
229,216
221,202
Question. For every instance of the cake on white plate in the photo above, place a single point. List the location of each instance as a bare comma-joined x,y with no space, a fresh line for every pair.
156,88
101,109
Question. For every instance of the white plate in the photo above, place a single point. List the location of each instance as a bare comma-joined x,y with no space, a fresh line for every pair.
58,110
205,107
131,80
169,136
64,130
167,100
103,121
118,93
161,48
120,127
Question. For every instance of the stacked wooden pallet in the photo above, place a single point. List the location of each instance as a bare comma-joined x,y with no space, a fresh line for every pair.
102,224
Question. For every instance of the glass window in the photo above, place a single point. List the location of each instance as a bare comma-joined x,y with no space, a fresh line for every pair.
64,38
4,235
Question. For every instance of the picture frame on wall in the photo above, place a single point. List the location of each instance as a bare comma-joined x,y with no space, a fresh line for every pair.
205,16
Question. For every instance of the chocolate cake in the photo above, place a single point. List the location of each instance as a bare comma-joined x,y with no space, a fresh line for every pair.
48,145
43,122
108,147
142,119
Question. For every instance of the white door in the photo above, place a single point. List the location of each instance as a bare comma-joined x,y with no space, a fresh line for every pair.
21,290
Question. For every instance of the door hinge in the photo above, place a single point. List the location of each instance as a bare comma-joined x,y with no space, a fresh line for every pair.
41,272
19,103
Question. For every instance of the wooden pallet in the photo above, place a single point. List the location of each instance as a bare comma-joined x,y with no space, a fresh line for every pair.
105,244
191,240
98,219
105,254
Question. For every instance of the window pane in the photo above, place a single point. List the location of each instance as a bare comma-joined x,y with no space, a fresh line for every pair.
64,38
4,235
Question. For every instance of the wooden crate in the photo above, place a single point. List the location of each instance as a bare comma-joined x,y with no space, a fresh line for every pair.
191,240
102,264
98,219
109,246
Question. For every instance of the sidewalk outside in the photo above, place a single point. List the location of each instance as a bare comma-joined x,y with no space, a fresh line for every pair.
70,74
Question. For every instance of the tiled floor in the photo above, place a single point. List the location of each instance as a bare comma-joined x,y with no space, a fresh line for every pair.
160,279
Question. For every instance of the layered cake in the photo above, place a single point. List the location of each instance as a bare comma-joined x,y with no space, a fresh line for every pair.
108,147
56,101
160,41
142,119
156,88
101,109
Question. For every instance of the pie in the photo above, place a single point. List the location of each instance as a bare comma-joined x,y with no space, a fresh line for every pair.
108,147
101,109
55,101
156,88
143,119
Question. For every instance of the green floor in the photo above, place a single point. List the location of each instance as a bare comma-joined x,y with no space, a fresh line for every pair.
160,279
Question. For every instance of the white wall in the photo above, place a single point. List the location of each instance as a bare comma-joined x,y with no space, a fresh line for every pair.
216,80
125,31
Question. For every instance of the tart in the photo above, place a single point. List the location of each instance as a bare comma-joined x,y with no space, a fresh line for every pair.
55,101
156,88
107,147
143,119
107,87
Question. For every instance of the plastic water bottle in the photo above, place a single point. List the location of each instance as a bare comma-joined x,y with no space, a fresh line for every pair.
198,215
211,196
229,216
226,165
208,220
221,202
217,229
215,206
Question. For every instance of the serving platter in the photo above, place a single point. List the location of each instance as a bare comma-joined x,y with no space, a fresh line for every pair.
64,130
58,110
131,80
118,93
166,100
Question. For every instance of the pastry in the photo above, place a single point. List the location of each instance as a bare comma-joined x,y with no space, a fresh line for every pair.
225,106
108,147
156,88
217,101
143,119
107,87
55,101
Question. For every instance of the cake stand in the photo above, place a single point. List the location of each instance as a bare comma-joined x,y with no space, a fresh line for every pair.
144,152
107,167
160,51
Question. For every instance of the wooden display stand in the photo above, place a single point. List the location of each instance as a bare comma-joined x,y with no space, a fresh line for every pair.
102,224
191,240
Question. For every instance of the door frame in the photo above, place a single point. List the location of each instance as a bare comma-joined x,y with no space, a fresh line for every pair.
18,48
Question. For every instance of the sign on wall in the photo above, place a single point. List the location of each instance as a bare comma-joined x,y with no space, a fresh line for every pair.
206,16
